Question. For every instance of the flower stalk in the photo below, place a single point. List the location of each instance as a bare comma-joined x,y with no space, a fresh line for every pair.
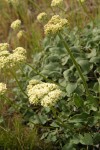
37,72
13,74
75,63
58,119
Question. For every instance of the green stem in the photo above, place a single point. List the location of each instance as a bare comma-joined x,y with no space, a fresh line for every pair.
61,9
13,74
59,120
37,72
23,72
75,63
3,129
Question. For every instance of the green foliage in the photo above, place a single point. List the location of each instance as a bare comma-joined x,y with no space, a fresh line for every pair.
78,122
74,122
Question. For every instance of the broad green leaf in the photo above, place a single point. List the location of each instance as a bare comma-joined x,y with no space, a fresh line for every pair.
85,65
83,117
69,146
96,138
78,100
86,139
95,60
70,88
92,54
96,87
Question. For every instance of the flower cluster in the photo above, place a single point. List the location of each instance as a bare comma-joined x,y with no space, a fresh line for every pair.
55,25
16,24
56,3
4,46
10,60
3,88
42,17
81,1
20,34
46,94
17,57
51,98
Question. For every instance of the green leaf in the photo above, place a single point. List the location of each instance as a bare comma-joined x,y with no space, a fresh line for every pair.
85,65
95,60
52,137
66,74
78,100
86,139
68,146
83,117
44,135
92,54
71,88
62,82
96,138
92,103
43,118
96,87
54,124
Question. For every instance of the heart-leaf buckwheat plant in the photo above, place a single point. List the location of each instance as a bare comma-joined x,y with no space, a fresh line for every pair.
75,119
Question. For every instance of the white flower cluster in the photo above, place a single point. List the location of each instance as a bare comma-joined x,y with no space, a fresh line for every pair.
10,60
20,34
51,98
4,53
4,46
81,1
16,24
42,17
17,57
56,3
46,94
55,25
3,88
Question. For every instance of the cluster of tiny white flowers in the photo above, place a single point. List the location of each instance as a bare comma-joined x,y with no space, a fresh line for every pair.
56,3
4,46
4,53
9,60
3,88
3,62
81,0
20,34
16,24
55,25
51,98
42,17
46,94
17,57
33,82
